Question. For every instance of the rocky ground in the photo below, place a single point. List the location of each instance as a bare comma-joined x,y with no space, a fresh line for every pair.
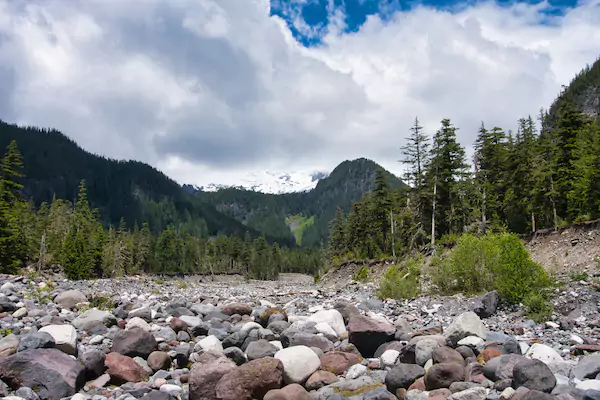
229,339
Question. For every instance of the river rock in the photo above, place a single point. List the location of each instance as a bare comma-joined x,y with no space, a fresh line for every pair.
338,362
134,343
367,334
534,375
251,380
70,298
466,324
205,376
290,392
486,305
299,362
124,369
65,337
443,375
92,318
402,376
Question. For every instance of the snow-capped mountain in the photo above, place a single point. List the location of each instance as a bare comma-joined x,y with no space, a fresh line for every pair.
269,182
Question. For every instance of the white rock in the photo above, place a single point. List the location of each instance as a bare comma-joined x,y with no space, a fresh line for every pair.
589,384
543,353
93,317
416,394
524,347
248,326
137,322
507,393
466,324
576,339
326,330
8,288
277,344
389,357
355,371
191,321
299,362
428,364
476,393
267,303
70,298
474,342
173,390
20,313
96,339
65,337
78,396
211,343
333,318
552,325
292,319
315,309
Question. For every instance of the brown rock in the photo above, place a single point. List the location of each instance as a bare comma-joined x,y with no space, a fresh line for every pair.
319,379
237,308
178,324
338,362
419,384
430,330
124,369
348,348
444,354
488,354
583,348
158,360
401,393
439,394
204,377
290,392
250,380
443,375
474,373
367,334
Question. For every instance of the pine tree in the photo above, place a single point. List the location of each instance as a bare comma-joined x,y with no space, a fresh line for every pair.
380,211
337,240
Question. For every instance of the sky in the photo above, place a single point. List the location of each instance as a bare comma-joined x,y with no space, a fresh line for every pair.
211,90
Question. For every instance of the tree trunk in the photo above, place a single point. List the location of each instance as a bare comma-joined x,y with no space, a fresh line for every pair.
392,232
553,204
433,213
532,222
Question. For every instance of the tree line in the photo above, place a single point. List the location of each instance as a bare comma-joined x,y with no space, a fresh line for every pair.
72,235
544,175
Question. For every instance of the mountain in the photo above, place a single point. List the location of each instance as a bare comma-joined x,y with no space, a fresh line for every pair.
54,165
305,214
583,92
268,182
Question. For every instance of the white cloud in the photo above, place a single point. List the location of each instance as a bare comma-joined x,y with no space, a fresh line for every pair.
212,89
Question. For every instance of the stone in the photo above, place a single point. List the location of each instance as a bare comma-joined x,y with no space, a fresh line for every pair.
260,348
311,340
355,371
367,334
507,393
466,352
486,305
476,393
289,392
237,308
124,369
70,298
263,318
94,363
338,362
511,346
92,318
178,324
424,350
137,322
144,313
589,384
466,324
535,395
333,318
20,313
534,375
158,360
251,380
444,354
543,353
389,357
35,340
52,372
347,310
443,375
65,337
9,345
326,330
402,376
299,362
379,393
167,334
172,390
319,379
205,376
211,343
587,367
488,354
134,343
474,342
439,394
506,366
235,354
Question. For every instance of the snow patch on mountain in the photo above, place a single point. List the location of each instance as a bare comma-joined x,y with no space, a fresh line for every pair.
269,182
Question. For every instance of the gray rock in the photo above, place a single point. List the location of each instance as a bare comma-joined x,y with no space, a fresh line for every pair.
486,305
27,393
92,318
70,298
93,362
475,393
134,343
534,375
260,348
36,340
466,324
402,376
380,393
311,340
9,345
144,313
587,367
235,354
166,333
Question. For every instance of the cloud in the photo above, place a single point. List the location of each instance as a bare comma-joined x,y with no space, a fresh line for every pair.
212,89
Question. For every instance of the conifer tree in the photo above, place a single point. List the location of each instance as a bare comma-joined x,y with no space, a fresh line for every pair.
415,157
337,238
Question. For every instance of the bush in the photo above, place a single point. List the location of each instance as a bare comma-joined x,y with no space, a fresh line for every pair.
492,262
402,283
362,274
537,306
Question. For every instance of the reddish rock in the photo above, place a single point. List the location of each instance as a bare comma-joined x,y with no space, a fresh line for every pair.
419,384
348,348
488,354
583,348
367,334
439,394
122,323
445,354
474,373
124,369
205,376
338,362
319,379
178,324
290,392
251,380
237,308
443,375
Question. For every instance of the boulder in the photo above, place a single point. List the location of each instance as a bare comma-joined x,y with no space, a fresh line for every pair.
299,362
367,334
402,376
94,363
389,358
134,343
52,372
587,367
124,369
36,340
444,354
260,348
9,345
333,318
137,322
338,362
70,298
543,353
506,366
158,360
263,318
65,337
210,343
534,375
144,313
311,340
424,350
466,324
475,393
237,308
251,380
205,376
290,392
92,318
443,375
486,305
319,379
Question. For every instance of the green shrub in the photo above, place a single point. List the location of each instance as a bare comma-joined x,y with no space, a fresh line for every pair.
402,283
578,276
362,274
492,262
537,306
